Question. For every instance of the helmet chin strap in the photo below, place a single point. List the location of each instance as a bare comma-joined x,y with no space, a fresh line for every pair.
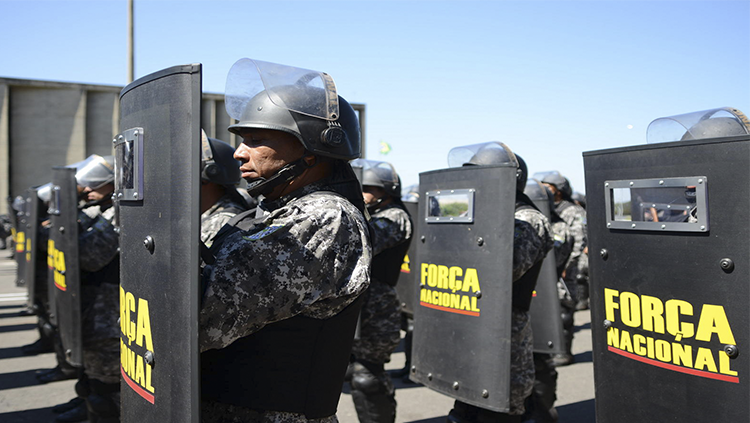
263,186
374,205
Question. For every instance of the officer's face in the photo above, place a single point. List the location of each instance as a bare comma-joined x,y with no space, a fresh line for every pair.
100,193
551,188
372,194
263,152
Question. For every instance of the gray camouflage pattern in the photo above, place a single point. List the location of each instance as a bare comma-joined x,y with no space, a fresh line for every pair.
380,318
217,216
575,216
390,226
532,239
308,253
98,246
98,241
216,412
521,361
563,243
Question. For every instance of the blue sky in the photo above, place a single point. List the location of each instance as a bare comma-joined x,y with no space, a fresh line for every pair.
550,79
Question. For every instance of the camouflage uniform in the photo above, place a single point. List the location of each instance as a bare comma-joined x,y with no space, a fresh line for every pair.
532,239
575,216
306,253
217,216
380,323
98,244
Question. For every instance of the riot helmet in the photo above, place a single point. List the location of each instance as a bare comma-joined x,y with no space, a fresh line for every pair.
95,172
379,174
44,192
714,123
555,179
491,153
300,102
297,101
217,162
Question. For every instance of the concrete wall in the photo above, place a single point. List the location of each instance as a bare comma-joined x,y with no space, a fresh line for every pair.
45,124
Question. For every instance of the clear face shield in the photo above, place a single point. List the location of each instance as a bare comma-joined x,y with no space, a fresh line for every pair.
376,173
491,153
251,83
94,172
714,123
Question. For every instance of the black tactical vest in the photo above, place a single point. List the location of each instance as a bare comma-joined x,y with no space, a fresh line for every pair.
295,365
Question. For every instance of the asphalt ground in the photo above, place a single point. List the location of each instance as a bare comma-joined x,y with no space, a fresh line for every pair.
24,400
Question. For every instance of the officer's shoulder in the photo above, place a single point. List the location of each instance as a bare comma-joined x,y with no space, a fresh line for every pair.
322,204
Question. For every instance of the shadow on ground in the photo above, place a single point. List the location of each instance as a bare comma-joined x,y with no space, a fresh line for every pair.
432,420
28,416
17,328
584,357
19,380
577,412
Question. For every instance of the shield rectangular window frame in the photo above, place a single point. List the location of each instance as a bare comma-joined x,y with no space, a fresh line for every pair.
54,201
134,136
701,204
468,218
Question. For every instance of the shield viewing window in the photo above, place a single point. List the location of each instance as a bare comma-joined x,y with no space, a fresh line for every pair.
450,206
54,202
658,204
129,165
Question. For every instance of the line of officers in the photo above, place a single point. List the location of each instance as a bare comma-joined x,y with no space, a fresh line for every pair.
352,239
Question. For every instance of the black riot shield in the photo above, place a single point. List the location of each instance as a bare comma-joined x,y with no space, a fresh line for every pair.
464,271
546,322
157,184
669,263
32,236
406,288
66,276
19,237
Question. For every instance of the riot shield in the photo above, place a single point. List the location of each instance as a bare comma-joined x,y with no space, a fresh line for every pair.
66,276
32,235
406,288
157,181
21,221
464,271
670,284
546,322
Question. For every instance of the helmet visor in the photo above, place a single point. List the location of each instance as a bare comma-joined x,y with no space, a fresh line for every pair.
303,91
696,125
491,153
94,172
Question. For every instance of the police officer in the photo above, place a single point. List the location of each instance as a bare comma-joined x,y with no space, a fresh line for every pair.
98,245
280,306
220,200
532,240
575,216
540,406
380,321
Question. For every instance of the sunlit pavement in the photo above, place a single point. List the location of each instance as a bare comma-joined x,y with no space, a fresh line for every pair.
23,399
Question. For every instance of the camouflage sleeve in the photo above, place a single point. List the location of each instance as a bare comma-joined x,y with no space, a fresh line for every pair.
98,244
211,225
389,227
575,217
311,259
217,216
563,243
531,240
